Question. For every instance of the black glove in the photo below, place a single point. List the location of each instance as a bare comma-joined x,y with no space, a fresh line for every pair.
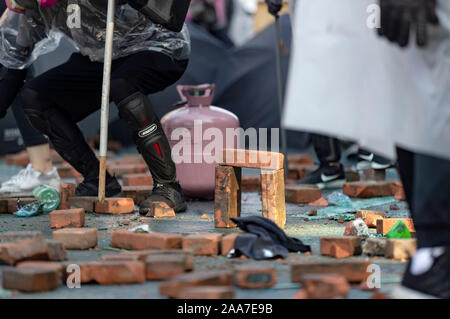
399,17
11,82
274,6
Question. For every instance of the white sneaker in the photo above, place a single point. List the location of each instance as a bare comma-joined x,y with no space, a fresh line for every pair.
28,179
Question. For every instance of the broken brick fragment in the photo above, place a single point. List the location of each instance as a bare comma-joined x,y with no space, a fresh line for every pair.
370,217
227,198
227,243
56,250
354,270
206,244
195,279
137,193
30,279
115,206
321,202
77,238
340,247
302,194
68,218
357,228
67,190
129,240
325,286
160,210
248,277
401,249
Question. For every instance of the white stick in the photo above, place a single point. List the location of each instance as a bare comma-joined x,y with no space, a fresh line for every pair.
105,99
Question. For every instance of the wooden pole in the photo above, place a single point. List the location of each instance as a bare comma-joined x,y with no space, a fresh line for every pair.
105,99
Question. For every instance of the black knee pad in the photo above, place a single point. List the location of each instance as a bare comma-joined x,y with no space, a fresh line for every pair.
137,111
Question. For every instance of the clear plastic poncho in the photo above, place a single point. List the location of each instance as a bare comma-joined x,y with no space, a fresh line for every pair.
26,37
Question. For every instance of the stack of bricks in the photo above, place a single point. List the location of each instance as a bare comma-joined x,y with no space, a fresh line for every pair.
229,185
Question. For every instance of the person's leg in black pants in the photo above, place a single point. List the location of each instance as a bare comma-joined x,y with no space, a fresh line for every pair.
55,101
330,173
426,180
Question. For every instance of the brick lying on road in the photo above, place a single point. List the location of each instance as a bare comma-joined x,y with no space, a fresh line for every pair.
15,236
354,270
13,252
206,244
68,218
77,238
30,279
164,266
67,190
115,206
248,277
302,194
110,272
195,279
12,203
56,250
401,249
85,202
370,217
206,292
325,286
368,189
137,180
129,240
160,210
340,247
47,265
3,206
384,225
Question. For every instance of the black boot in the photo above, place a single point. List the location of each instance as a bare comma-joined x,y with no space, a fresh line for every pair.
69,142
152,143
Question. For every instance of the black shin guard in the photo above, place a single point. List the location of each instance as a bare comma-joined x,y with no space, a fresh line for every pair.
67,140
151,141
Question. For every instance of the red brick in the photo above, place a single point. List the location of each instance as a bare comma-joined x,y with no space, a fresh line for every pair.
115,206
67,171
227,243
370,217
357,228
28,249
352,176
85,202
325,286
56,250
302,194
299,171
137,193
375,246
252,159
299,159
398,190
353,270
164,266
206,292
368,189
47,265
301,294
340,247
67,191
30,279
3,206
251,184
248,277
15,236
379,295
321,202
131,159
112,272
69,218
384,225
401,249
273,197
129,240
203,244
137,180
77,238
195,279
160,210
227,196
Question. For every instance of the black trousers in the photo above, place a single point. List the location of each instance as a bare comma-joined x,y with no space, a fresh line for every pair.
327,149
75,87
426,180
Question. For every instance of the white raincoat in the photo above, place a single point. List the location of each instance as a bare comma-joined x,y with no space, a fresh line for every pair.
347,82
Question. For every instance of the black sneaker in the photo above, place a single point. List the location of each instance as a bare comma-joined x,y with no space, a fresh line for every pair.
171,194
90,188
326,177
367,160
434,282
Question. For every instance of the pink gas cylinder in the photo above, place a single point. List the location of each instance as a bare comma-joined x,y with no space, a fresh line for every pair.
197,134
